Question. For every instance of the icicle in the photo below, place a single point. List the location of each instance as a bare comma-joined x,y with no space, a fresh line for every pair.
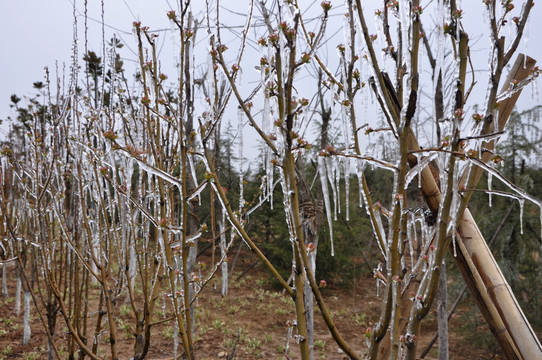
325,191
162,246
489,187
359,172
377,274
411,230
331,177
224,265
193,175
347,186
380,228
197,192
288,336
287,204
240,116
521,205
337,192
417,170
534,91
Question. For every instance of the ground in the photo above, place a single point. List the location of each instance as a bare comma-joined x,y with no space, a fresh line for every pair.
254,316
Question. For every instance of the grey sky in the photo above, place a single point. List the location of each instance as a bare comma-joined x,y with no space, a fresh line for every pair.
39,33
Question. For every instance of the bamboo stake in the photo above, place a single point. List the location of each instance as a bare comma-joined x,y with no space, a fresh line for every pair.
475,260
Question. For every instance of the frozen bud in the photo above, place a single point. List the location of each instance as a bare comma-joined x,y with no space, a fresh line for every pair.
477,117
497,159
458,113
394,4
188,33
457,14
323,283
472,153
110,135
145,100
163,222
418,10
326,5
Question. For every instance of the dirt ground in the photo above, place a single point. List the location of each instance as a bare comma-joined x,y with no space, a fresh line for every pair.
253,318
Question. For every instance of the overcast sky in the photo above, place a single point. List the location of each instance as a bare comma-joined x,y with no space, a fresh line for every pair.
39,34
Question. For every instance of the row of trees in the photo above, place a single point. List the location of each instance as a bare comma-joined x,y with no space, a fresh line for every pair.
112,187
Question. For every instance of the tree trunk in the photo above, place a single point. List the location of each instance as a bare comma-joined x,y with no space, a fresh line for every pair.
18,294
4,281
26,326
442,310
224,265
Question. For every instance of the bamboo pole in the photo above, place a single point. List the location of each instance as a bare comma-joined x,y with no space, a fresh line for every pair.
517,338
474,258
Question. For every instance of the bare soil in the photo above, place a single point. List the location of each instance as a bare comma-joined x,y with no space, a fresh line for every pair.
253,318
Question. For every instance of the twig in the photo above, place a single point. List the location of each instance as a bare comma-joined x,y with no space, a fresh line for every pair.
232,353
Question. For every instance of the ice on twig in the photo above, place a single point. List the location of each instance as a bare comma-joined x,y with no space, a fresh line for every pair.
325,192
